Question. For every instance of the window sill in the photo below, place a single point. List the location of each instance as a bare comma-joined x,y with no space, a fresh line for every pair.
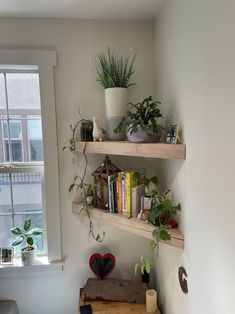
42,265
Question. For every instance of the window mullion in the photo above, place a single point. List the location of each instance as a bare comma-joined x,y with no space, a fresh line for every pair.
12,201
8,121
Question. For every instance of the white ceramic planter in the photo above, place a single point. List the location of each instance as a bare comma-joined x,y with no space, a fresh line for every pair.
29,257
116,101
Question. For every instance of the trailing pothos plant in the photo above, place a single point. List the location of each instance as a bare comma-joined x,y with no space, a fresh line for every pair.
86,189
143,115
162,210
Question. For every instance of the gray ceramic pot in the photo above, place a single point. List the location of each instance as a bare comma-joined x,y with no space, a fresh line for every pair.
141,136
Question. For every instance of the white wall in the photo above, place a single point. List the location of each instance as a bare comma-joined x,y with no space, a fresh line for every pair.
195,71
77,42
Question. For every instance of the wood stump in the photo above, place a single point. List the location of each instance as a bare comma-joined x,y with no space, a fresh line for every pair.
120,290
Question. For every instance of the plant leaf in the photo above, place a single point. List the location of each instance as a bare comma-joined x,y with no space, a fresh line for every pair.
18,241
27,224
16,231
164,235
30,241
153,244
35,231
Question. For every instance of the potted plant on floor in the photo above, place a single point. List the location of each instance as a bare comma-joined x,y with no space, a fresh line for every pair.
28,253
144,267
114,72
140,122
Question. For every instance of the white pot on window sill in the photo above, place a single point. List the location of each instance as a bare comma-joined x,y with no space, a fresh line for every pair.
29,257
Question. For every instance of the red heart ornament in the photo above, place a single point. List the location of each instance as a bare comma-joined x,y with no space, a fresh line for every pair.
102,266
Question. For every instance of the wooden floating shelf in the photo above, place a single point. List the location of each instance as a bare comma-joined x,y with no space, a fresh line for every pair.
123,148
132,225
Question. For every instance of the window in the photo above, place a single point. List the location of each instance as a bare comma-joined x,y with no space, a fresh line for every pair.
21,146
28,154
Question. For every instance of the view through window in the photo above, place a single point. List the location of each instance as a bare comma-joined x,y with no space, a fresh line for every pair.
21,153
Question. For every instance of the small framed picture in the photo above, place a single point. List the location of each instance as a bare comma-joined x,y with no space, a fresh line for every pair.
172,134
7,255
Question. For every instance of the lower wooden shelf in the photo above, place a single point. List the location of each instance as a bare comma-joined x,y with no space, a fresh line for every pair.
132,225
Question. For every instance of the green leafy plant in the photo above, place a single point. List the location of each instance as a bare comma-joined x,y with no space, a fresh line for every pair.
145,265
26,234
139,178
162,209
114,70
143,114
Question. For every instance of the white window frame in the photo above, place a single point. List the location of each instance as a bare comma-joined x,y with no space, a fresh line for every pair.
46,61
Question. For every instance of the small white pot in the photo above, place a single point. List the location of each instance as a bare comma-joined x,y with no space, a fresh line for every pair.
116,101
29,257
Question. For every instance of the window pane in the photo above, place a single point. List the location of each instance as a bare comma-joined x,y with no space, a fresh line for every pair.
6,236
35,139
27,87
5,193
35,129
37,222
16,149
27,191
2,93
15,129
36,150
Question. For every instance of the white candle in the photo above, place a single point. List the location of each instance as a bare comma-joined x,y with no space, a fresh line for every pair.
151,301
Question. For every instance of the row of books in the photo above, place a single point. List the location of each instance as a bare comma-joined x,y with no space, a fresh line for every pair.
124,194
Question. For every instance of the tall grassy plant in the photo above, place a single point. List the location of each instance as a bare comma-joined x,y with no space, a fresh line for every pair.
114,70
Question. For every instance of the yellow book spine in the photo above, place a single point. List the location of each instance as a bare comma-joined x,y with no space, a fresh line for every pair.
129,184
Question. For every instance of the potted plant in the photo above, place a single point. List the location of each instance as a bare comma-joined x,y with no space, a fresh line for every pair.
162,209
144,267
114,72
140,122
28,253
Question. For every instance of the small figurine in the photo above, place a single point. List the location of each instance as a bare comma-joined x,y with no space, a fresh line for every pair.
97,133
140,215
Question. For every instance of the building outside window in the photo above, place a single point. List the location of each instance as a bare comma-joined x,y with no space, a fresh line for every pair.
21,154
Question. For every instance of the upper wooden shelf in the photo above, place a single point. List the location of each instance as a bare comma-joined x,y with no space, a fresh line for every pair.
132,225
152,150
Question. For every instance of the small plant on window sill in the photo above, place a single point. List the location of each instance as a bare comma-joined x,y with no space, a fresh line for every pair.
28,253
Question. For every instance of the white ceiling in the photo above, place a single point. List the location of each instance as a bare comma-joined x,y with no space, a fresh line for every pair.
90,9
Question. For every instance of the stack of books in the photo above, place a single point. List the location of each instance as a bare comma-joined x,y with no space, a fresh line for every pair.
124,194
